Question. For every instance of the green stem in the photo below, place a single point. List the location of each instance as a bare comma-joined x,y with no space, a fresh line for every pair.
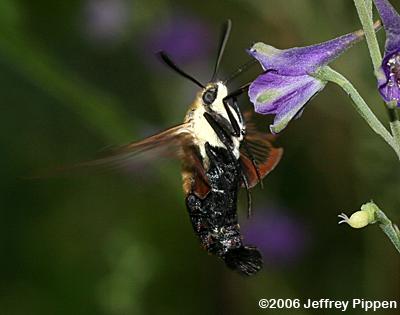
395,128
328,74
388,228
364,9
365,15
368,4
394,122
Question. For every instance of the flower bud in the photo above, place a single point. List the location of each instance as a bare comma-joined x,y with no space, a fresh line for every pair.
360,218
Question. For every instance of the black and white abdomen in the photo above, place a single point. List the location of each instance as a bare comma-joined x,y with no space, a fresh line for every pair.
214,218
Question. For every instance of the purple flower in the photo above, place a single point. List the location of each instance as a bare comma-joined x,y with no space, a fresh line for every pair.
288,83
389,73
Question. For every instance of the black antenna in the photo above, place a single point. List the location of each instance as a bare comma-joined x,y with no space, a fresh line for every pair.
164,57
242,68
226,30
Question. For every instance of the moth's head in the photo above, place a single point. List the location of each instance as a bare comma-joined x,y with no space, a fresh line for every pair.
213,92
209,94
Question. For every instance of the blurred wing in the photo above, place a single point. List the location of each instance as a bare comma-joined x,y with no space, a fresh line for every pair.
167,143
259,148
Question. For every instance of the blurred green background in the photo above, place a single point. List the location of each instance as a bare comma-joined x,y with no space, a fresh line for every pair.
78,76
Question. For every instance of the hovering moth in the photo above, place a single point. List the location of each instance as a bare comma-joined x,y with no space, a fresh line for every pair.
220,153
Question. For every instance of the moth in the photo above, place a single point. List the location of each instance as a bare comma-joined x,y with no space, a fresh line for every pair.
220,153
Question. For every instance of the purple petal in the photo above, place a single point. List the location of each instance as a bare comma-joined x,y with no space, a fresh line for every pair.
389,78
389,74
302,60
284,96
391,22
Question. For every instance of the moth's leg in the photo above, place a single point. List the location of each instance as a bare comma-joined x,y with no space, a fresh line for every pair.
236,109
221,132
213,154
226,140
236,129
253,161
249,199
235,126
232,96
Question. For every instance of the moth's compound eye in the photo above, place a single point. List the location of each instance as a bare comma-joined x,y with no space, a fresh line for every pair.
209,96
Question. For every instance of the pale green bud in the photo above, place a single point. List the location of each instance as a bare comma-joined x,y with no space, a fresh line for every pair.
360,218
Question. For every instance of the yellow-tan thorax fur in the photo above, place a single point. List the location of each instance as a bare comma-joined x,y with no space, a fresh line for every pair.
202,131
